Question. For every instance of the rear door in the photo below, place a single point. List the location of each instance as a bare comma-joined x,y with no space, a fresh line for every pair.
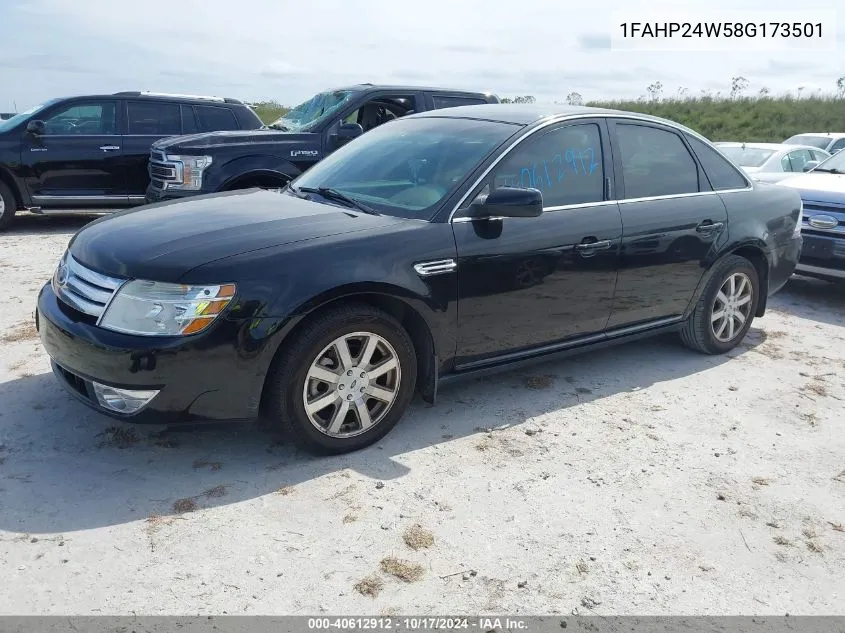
671,219
146,122
78,162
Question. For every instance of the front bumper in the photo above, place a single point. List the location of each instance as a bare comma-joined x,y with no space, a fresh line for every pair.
154,194
203,377
822,256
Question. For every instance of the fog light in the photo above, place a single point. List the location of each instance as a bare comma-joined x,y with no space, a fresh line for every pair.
123,400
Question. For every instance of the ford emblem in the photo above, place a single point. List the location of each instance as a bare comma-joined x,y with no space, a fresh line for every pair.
823,222
61,275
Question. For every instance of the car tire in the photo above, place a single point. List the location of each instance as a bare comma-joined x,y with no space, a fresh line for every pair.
716,326
297,385
8,207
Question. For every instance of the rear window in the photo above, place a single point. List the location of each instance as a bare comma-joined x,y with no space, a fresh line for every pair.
152,118
807,139
442,101
213,118
746,156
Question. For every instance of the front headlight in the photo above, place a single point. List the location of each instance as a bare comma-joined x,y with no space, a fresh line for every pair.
151,308
191,169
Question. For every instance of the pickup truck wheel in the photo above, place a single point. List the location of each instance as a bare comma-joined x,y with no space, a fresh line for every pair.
724,312
8,207
345,381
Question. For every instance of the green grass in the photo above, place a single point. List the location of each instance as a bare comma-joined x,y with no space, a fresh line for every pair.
745,119
761,119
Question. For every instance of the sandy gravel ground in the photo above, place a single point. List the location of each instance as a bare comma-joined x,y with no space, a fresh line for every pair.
645,479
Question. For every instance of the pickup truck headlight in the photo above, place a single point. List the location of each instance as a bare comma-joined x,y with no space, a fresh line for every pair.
191,169
151,308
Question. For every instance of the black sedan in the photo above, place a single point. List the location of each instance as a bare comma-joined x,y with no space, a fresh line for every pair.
440,245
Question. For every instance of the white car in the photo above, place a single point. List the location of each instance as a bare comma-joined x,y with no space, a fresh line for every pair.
830,142
772,162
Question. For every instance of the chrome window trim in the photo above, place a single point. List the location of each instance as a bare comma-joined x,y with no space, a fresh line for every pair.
599,115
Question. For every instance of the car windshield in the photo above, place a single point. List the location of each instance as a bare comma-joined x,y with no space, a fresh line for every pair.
746,156
8,124
405,168
807,139
835,164
316,108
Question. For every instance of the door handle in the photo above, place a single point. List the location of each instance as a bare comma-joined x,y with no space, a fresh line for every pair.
708,226
593,246
109,148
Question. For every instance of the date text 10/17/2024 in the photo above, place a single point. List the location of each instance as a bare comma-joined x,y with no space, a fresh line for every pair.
418,623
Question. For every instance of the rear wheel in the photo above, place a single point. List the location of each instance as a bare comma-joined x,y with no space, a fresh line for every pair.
8,206
345,381
724,312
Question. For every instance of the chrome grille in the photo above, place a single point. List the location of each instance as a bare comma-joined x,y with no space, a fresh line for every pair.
813,209
82,288
163,171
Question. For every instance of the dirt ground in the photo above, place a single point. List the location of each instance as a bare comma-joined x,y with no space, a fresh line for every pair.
645,479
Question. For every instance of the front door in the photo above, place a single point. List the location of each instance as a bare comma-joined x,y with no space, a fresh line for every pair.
146,122
527,282
78,161
671,218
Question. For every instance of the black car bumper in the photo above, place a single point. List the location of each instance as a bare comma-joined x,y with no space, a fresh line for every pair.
822,256
203,377
153,194
783,263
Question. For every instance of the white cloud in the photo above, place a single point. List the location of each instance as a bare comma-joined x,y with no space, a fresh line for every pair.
262,49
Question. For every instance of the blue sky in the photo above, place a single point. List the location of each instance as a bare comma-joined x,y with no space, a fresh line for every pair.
283,50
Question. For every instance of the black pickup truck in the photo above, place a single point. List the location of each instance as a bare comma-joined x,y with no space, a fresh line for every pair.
88,154
272,156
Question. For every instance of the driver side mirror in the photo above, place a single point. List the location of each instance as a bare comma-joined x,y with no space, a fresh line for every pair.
36,127
810,165
346,132
508,202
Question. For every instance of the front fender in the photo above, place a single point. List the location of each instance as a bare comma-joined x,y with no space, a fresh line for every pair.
219,176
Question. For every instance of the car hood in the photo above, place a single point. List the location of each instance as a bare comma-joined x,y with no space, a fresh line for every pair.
164,241
818,187
210,140
750,170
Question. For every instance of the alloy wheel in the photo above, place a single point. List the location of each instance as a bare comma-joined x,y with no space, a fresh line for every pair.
352,384
731,307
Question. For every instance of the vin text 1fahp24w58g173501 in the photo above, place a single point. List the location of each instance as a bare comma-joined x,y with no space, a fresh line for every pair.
440,245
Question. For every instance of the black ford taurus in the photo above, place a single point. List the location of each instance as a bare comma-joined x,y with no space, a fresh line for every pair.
440,245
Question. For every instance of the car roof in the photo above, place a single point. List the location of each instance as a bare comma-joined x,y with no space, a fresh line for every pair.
404,88
156,96
530,113
778,147
823,134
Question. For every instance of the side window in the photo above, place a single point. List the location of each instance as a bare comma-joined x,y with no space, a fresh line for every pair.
153,118
565,164
381,110
215,119
655,162
798,159
189,121
442,101
785,164
838,145
90,118
720,172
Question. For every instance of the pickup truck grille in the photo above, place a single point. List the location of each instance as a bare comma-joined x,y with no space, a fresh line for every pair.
163,171
83,289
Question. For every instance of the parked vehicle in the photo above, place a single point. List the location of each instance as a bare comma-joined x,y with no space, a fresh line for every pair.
772,162
831,142
272,157
822,191
440,246
89,154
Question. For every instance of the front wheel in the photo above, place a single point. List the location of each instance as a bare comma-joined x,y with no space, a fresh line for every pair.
345,381
8,206
726,308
